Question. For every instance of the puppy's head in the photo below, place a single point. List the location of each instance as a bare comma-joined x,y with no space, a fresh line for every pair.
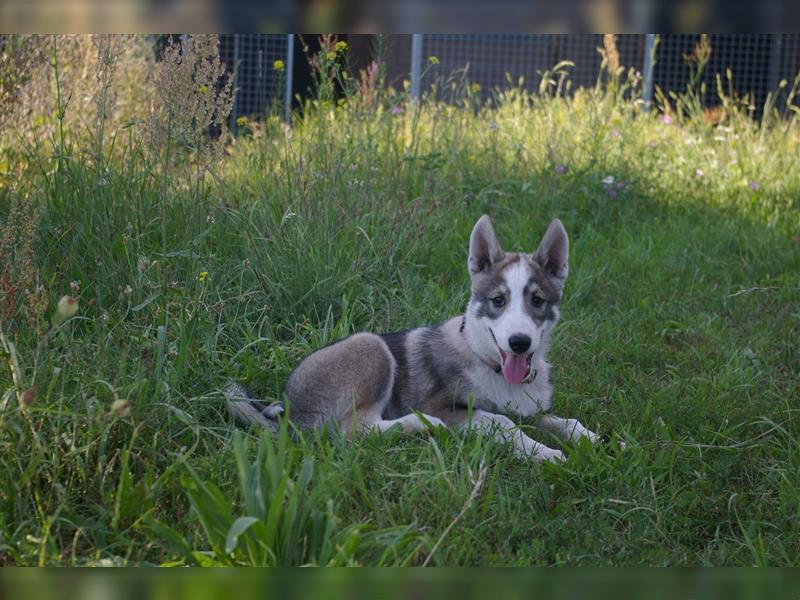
515,297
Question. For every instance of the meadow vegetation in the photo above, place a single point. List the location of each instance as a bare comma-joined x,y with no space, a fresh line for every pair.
188,258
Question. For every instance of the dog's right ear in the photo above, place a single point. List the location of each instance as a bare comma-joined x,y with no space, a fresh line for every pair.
484,249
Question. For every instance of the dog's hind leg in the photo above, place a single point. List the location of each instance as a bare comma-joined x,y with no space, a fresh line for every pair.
348,383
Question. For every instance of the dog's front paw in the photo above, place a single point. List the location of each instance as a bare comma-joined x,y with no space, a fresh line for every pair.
425,422
435,421
549,454
606,440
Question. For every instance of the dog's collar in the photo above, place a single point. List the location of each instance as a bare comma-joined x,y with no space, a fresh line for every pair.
489,363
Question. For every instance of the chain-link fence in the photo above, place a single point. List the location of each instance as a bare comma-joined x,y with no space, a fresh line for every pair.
493,60
259,84
758,62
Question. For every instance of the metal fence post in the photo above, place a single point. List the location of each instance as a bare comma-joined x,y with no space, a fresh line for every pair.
776,40
647,68
287,98
416,65
235,107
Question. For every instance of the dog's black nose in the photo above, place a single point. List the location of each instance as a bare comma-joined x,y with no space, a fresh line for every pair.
519,343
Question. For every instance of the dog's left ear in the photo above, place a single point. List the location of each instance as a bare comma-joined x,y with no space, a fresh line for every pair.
553,251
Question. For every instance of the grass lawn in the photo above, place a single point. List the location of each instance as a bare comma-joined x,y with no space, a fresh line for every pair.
680,333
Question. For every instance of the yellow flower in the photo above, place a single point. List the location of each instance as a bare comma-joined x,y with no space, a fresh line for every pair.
341,46
241,121
279,65
202,276
434,60
475,87
331,55
202,89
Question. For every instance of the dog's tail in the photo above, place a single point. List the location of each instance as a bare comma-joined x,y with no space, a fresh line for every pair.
247,410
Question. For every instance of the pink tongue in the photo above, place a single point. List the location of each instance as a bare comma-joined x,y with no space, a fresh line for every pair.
515,368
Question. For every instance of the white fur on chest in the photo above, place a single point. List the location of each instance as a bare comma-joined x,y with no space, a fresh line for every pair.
495,394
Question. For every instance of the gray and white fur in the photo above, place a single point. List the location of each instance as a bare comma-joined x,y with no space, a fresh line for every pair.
493,356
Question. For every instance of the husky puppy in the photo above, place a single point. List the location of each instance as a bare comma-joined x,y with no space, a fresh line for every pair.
493,358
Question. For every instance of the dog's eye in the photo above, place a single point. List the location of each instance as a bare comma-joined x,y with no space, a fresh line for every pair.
498,300
537,300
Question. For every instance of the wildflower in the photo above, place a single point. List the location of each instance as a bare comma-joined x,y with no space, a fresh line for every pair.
28,397
67,307
615,133
120,408
608,180
202,276
397,110
331,55
279,65
241,121
128,291
620,184
210,219
434,60
75,286
190,98
666,119
340,46
561,169
475,88
753,185
699,172
612,193
109,50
